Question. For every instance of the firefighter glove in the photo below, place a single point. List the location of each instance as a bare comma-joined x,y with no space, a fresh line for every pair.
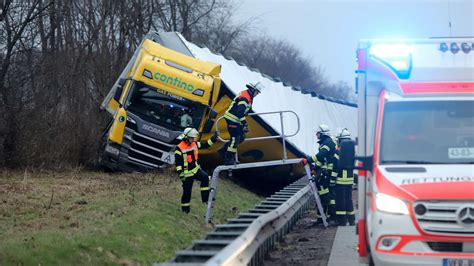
304,161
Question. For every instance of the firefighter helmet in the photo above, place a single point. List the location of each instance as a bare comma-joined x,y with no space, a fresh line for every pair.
256,86
344,134
189,132
323,129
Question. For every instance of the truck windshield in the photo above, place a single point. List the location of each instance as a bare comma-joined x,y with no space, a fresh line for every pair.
163,108
428,132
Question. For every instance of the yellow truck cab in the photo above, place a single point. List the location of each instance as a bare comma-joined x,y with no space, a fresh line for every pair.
158,94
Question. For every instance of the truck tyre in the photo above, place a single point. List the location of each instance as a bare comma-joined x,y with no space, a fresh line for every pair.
101,156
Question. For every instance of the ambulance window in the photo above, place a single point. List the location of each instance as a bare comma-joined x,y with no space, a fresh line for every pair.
427,132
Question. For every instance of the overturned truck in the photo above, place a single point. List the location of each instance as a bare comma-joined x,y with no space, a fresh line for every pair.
170,83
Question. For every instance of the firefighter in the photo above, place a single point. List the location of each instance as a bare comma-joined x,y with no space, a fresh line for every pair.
188,168
235,118
343,188
323,161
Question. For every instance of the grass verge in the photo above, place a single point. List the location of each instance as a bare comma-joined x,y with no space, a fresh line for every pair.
81,217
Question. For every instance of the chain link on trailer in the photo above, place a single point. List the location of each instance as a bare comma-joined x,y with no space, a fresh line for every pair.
246,239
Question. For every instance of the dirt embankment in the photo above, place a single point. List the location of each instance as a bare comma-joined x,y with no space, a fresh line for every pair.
306,244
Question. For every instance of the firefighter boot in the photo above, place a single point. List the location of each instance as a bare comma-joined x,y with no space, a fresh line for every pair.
229,158
341,220
351,219
185,209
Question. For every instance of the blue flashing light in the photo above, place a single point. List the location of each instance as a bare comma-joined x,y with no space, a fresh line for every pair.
396,56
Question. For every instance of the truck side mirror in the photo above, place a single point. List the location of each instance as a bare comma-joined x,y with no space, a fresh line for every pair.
118,91
347,154
212,113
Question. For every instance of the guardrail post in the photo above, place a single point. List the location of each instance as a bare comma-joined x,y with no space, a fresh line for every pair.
212,194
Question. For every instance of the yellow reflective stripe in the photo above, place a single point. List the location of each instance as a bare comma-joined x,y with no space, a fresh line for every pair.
244,103
188,173
348,181
204,188
178,152
336,156
341,212
329,166
325,147
185,161
179,168
199,145
323,191
332,202
351,213
186,204
334,174
231,146
242,119
231,117
210,142
345,180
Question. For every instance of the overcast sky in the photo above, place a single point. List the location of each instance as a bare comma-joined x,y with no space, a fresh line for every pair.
328,31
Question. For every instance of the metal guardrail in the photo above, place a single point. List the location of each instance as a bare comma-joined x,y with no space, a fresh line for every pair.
245,240
215,177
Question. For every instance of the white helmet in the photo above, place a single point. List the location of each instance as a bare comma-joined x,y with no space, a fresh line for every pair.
344,134
323,129
189,132
256,86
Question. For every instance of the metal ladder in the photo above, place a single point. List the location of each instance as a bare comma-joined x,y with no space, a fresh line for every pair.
284,161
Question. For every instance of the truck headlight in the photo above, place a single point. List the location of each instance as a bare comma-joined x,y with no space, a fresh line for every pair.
390,204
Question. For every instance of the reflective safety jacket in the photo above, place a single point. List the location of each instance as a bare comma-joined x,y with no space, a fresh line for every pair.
186,156
343,176
325,156
239,108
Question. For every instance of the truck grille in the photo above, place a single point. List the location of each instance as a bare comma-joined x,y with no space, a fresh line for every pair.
445,217
144,149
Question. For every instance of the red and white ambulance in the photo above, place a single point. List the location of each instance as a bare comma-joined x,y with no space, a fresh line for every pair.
415,149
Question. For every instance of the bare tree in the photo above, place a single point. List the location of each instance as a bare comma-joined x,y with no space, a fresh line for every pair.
279,58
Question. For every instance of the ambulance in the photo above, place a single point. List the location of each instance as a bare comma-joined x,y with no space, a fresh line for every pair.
415,151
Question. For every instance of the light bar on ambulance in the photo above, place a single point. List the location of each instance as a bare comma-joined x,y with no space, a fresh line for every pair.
396,56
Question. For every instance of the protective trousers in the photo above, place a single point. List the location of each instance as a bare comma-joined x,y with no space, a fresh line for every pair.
203,177
331,196
322,184
344,207
237,136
